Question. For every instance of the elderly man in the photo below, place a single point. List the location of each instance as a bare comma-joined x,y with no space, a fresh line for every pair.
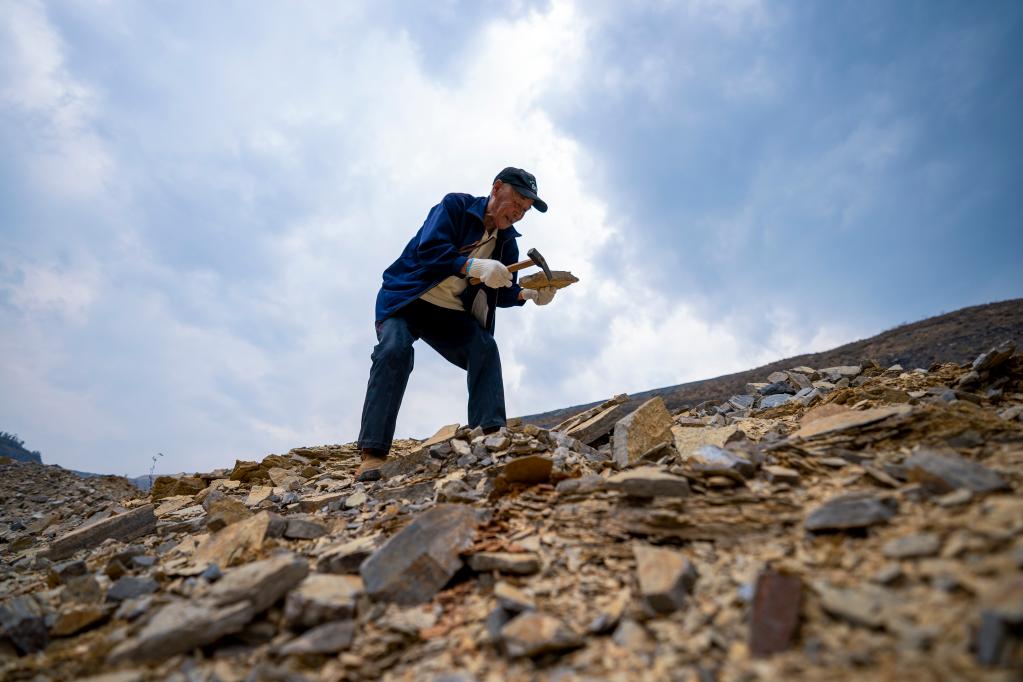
426,295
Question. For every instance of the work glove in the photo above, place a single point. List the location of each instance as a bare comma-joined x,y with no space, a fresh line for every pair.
541,296
493,272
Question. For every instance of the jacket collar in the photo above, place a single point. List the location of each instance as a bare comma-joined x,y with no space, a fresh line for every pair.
479,207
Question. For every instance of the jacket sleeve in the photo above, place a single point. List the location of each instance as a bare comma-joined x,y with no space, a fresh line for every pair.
439,239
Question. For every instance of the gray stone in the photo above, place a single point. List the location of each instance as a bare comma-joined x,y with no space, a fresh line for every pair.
847,512
512,598
131,587
532,633
649,481
665,577
322,597
778,388
641,431
742,402
304,529
260,583
944,471
347,557
421,558
325,640
580,486
866,605
912,546
774,400
498,441
504,562
180,627
993,358
711,459
461,448
22,620
123,527
777,474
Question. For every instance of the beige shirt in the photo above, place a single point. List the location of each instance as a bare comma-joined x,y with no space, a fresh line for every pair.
446,294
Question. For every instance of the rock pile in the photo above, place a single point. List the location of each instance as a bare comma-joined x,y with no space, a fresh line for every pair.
840,523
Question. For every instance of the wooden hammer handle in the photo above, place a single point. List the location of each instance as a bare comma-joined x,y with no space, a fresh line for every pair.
515,267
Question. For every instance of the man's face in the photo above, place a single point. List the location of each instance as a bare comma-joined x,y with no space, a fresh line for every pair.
506,206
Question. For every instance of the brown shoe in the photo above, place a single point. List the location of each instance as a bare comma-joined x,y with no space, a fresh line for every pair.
369,470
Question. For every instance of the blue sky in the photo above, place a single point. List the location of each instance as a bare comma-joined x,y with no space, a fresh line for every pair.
197,199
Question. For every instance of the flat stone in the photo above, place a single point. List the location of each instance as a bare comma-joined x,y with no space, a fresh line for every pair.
599,425
123,527
775,400
257,494
532,633
322,597
647,427
23,622
649,481
224,511
131,587
356,499
799,380
246,471
993,358
504,562
530,470
260,583
777,388
843,371
314,503
538,280
712,459
445,433
777,474
912,546
347,557
75,619
304,529
496,442
665,577
846,512
849,419
179,628
866,605
230,544
325,640
774,616
742,402
414,564
579,486
633,637
83,589
60,573
512,598
172,486
170,505
944,471
286,479
688,440
777,377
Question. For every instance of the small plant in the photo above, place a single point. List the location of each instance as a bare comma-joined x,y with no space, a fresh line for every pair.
153,468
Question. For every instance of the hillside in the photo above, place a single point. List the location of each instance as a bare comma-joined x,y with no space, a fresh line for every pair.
953,337
13,447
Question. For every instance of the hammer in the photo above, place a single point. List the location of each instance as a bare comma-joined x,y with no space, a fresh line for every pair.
534,259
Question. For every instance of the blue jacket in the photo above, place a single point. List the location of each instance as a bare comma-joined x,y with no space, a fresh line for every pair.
440,249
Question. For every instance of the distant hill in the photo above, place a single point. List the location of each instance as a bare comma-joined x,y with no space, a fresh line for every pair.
953,337
13,447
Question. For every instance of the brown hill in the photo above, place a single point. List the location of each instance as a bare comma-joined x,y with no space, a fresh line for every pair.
953,337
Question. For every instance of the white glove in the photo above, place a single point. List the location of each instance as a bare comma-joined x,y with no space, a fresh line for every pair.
493,272
541,296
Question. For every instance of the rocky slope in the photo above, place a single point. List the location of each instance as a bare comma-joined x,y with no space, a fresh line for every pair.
824,523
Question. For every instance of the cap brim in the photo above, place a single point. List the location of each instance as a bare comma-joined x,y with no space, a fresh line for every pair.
538,203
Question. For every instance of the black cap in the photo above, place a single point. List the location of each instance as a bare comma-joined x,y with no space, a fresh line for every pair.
524,183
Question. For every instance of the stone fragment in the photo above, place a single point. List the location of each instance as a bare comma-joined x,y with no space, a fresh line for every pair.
633,637
866,605
512,598
775,400
347,557
131,587
944,471
173,486
229,544
712,459
260,583
776,389
304,529
75,619
285,478
322,597
60,573
777,377
504,562
356,499
993,358
649,426
445,433
224,511
531,469
841,372
777,474
325,640
420,559
83,589
317,502
846,512
912,546
23,622
582,485
665,577
689,440
742,402
849,419
496,442
246,471
532,633
538,280
649,481
169,505
774,616
180,627
257,494
124,527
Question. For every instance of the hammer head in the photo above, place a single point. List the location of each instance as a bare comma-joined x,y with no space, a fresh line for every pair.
541,262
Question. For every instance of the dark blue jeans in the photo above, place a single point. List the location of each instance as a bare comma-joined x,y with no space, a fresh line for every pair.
458,338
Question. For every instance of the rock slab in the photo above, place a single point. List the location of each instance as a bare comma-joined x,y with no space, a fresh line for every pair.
665,577
124,527
943,472
847,512
774,616
643,430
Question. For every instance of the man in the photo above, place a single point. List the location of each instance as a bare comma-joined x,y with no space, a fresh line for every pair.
426,294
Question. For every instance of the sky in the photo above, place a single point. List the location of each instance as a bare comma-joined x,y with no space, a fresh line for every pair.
197,199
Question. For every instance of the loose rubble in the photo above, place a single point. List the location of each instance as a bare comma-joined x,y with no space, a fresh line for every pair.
852,522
